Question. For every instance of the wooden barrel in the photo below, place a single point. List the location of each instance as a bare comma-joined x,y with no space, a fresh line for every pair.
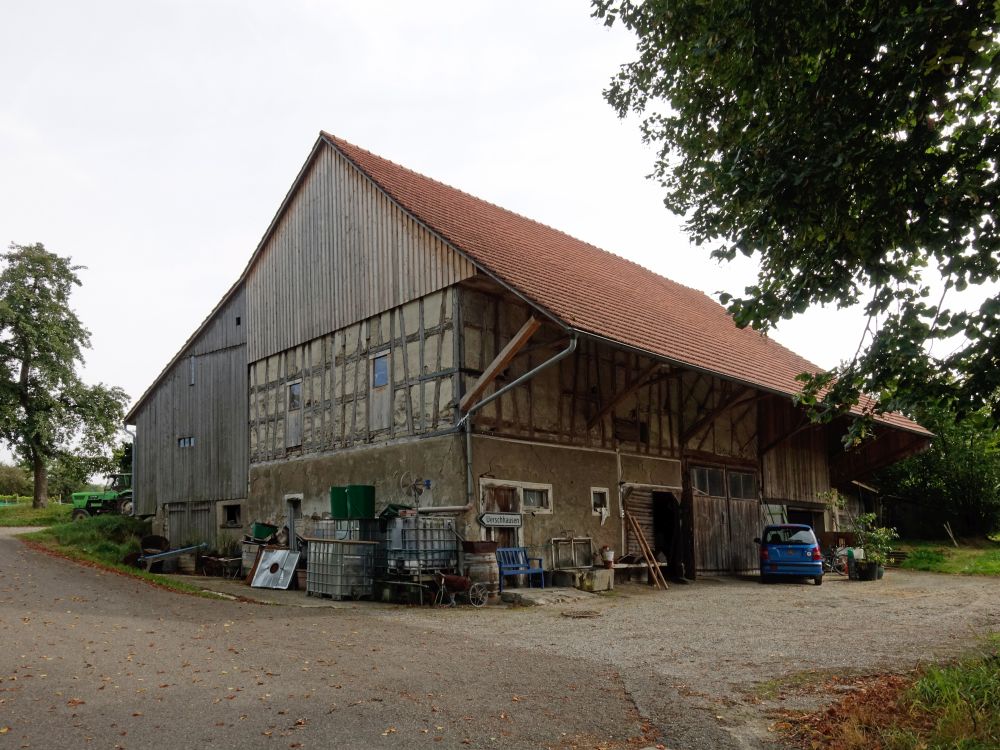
482,568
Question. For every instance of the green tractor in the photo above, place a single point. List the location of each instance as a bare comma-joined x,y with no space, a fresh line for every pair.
116,497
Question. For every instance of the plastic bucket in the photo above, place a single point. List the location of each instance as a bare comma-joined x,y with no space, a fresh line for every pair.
262,530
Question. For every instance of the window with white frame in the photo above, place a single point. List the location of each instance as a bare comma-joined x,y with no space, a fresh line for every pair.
185,442
518,497
599,503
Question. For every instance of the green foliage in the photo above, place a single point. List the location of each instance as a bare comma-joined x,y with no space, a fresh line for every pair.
106,540
876,540
957,480
964,701
69,473
46,411
23,514
852,149
14,480
981,558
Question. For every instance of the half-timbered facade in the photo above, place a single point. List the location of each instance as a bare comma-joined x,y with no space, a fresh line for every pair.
391,330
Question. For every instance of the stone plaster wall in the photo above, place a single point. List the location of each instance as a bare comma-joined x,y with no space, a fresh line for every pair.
439,459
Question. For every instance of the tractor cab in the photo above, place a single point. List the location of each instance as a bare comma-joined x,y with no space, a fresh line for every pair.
116,497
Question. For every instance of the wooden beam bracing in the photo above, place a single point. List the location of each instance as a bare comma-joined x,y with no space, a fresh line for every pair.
624,393
734,399
500,362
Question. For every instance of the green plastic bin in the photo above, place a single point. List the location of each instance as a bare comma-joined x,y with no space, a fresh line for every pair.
262,530
338,503
360,501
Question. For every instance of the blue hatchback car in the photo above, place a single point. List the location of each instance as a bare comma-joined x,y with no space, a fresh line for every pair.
790,550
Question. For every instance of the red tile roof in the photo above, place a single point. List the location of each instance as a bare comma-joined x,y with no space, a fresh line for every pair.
590,289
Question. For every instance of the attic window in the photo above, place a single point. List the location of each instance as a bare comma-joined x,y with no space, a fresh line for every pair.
185,442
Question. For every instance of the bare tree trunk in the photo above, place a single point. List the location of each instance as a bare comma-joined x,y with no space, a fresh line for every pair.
41,495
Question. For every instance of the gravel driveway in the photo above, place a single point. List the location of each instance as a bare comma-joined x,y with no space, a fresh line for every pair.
92,659
700,651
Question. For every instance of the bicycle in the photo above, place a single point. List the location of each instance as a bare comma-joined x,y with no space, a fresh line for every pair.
834,562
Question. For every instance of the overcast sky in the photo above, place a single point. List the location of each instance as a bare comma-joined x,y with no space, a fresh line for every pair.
153,141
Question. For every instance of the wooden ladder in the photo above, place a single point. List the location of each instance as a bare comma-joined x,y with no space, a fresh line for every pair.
647,553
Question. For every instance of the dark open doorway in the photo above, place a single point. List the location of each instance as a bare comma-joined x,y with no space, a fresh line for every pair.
667,532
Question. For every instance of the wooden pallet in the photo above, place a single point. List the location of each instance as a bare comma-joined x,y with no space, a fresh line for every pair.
647,553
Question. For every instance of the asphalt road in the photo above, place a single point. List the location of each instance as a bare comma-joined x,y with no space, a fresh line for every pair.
96,660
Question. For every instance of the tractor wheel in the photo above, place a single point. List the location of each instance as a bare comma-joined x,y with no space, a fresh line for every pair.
125,507
79,514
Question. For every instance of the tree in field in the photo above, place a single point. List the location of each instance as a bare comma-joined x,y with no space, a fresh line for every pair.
852,148
45,409
14,480
957,480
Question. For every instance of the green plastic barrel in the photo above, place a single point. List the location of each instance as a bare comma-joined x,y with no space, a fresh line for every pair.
360,501
338,503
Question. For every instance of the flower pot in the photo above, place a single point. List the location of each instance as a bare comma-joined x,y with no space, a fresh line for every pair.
867,571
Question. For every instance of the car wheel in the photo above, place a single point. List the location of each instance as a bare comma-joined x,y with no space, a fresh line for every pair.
818,580
79,514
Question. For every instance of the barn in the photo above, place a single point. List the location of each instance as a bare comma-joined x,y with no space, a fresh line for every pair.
395,331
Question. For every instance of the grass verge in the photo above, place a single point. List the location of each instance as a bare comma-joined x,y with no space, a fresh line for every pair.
102,541
974,557
951,706
23,514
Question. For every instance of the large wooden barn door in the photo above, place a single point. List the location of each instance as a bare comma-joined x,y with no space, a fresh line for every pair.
725,523
190,523
744,525
711,529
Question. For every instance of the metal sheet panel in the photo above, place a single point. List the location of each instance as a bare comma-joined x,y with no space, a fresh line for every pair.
276,569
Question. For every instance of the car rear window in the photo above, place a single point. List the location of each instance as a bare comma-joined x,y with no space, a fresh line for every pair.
789,536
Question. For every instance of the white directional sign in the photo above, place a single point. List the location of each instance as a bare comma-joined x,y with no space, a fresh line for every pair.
500,520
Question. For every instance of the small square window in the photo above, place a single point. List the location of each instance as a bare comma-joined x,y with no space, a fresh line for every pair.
232,515
599,501
380,371
535,499
294,396
185,442
237,320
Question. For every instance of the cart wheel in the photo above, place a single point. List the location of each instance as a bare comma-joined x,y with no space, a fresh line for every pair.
478,594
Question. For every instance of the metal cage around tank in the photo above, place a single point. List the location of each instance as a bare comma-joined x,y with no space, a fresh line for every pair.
341,569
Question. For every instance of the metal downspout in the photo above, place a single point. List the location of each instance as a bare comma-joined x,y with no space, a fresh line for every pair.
467,422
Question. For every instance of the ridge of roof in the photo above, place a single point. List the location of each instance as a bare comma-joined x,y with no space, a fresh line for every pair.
687,326
350,147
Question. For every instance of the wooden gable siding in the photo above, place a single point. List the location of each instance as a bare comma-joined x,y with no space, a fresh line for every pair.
795,464
213,411
341,252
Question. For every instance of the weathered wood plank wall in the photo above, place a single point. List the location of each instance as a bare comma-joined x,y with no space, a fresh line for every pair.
212,411
342,252
795,464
